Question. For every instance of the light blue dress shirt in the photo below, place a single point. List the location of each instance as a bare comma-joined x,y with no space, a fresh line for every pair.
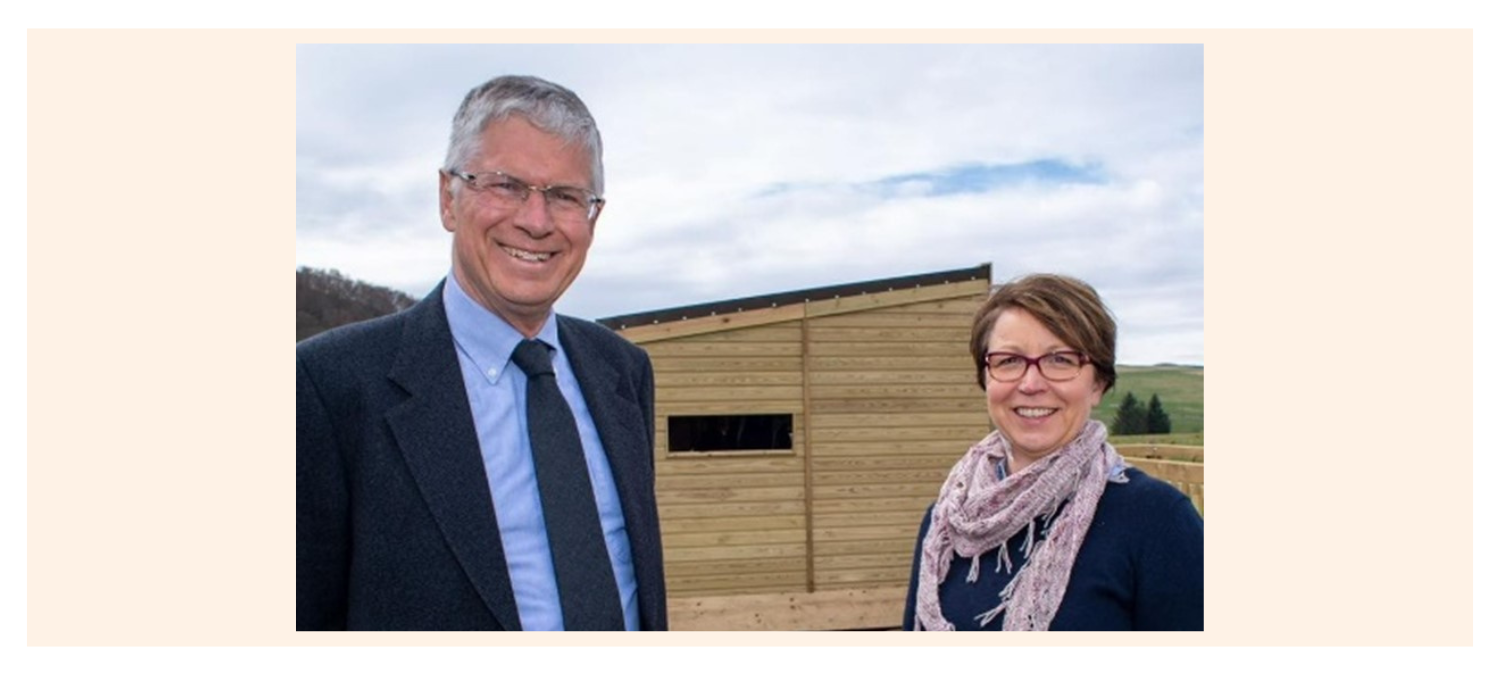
497,399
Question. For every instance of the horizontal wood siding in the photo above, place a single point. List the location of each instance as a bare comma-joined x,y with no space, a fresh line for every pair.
892,404
881,391
732,522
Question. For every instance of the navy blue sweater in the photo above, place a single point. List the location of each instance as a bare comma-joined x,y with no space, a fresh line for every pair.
1140,567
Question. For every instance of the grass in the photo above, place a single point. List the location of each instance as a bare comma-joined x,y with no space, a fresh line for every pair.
1186,438
1180,389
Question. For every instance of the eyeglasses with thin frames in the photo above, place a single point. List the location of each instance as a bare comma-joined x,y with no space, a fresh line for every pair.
1058,366
564,202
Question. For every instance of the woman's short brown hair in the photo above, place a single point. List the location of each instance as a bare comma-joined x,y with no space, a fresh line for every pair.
1068,307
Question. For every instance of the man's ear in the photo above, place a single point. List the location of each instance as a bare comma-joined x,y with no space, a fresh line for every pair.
445,201
598,209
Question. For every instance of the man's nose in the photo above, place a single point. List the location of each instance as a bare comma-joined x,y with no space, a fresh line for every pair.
532,214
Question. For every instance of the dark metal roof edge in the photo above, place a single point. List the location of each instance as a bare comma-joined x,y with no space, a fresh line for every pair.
795,297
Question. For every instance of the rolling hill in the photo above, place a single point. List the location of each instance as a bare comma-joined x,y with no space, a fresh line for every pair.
1179,387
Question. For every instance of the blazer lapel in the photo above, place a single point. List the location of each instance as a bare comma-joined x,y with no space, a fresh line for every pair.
624,431
435,431
616,413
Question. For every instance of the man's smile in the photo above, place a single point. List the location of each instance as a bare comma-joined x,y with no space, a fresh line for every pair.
529,256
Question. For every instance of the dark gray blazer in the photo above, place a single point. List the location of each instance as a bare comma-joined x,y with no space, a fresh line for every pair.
395,526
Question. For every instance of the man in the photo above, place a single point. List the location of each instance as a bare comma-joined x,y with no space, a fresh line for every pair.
478,462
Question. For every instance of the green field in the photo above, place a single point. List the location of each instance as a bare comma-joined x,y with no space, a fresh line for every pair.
1180,389
1190,438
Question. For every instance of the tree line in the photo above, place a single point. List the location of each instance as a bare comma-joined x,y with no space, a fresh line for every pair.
1132,419
327,299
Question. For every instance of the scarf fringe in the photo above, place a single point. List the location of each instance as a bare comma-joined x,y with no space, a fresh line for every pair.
1005,597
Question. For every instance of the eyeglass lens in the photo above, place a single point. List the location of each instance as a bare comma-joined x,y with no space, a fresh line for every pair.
1006,367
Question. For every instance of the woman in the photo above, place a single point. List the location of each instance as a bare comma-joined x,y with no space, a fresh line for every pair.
1054,530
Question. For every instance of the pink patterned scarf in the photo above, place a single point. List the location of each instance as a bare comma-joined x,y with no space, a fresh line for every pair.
976,512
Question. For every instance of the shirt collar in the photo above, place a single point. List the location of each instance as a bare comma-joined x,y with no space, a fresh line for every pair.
486,339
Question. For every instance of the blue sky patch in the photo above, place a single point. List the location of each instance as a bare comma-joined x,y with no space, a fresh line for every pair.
976,178
967,179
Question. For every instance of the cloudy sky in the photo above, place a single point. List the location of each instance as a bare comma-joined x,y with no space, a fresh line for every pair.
736,170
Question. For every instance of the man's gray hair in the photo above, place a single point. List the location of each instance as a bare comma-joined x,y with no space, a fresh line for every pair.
550,107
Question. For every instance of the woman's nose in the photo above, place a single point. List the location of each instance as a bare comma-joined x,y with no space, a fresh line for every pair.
1032,380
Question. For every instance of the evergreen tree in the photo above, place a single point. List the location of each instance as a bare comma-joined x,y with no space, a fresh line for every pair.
1130,419
1157,421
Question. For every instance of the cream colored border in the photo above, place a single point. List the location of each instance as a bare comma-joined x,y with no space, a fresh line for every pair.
160,440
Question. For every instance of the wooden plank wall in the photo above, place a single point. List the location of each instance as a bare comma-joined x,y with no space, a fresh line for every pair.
883,401
732,522
892,405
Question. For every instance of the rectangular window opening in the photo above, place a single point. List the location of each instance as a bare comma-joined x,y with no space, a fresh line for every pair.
713,433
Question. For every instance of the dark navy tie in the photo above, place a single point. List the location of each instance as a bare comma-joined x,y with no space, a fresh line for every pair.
585,577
